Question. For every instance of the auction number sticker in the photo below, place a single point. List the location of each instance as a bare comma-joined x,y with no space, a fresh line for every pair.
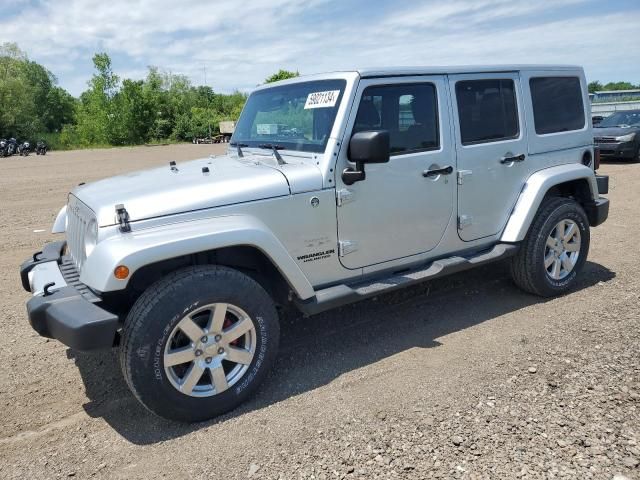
322,99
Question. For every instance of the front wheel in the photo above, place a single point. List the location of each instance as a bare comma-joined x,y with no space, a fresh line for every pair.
554,250
199,342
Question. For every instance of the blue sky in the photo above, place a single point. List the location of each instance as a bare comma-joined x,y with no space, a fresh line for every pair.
241,43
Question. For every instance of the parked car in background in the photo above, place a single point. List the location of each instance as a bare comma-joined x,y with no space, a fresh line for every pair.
596,119
618,135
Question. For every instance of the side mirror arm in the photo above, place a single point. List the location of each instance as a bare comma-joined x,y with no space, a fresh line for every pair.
351,176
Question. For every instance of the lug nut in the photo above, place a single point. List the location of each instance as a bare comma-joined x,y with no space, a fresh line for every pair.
208,359
198,353
220,351
218,338
204,339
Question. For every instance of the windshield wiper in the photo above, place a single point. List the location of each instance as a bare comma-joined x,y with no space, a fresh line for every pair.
236,144
273,147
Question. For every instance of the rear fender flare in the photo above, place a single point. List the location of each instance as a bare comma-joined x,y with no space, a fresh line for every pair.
534,191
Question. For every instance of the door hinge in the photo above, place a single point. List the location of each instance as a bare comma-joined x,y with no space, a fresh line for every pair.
464,221
343,196
463,173
345,247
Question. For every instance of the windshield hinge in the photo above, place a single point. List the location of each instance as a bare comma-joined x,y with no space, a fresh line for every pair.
122,217
345,247
343,196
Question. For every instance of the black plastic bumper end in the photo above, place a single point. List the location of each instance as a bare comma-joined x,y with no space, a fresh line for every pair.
68,317
603,184
598,211
51,252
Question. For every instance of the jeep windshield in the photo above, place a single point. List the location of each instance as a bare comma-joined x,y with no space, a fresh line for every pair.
298,116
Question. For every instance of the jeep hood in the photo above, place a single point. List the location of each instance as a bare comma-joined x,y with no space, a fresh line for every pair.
165,190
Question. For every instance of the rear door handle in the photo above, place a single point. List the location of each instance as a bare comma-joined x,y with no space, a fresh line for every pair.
517,158
438,171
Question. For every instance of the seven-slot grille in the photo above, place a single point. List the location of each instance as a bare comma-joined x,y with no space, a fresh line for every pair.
78,217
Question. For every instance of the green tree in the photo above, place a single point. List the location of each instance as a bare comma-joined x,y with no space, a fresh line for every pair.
594,86
129,110
620,86
281,75
32,103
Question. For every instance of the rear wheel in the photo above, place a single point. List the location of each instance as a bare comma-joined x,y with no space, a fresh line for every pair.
199,342
554,250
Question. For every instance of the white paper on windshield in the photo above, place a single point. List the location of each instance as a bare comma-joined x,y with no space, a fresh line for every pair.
267,128
322,99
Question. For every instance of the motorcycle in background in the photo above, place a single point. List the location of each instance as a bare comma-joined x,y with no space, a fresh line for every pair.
41,148
12,147
24,149
3,148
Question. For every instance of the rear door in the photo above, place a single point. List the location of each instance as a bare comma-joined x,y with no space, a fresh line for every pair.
491,144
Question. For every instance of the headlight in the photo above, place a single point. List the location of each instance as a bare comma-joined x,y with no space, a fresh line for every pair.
90,238
626,138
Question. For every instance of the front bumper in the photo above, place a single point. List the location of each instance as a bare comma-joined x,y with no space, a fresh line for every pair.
617,150
62,307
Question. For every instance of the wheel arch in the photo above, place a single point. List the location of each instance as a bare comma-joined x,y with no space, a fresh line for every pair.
247,259
238,241
574,181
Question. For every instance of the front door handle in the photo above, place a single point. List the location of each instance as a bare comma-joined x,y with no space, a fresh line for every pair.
517,158
438,171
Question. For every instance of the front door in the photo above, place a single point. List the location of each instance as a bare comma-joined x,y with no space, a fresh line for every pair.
399,209
491,145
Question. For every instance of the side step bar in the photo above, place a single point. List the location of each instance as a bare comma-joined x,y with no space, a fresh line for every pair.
339,295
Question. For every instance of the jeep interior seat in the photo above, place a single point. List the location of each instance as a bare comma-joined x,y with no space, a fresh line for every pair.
491,120
422,134
368,117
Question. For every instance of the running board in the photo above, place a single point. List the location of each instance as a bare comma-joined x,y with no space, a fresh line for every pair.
339,295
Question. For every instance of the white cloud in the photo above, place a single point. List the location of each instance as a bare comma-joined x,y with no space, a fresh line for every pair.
242,43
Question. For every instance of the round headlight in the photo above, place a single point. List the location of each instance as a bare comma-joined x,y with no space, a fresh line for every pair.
90,238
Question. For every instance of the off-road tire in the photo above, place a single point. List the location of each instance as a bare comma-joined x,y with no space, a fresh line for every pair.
527,266
160,308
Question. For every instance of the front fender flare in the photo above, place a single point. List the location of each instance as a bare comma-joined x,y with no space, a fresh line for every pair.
144,247
535,189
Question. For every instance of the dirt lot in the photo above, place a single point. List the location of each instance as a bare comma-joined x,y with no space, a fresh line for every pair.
465,377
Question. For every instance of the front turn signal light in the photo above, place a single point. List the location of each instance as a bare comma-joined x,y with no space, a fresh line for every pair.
121,272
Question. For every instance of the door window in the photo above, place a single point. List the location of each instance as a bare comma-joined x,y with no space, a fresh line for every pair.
487,110
408,112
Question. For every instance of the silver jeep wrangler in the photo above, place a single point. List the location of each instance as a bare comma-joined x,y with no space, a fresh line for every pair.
334,188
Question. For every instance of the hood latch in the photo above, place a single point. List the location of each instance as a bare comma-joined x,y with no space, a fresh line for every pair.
123,218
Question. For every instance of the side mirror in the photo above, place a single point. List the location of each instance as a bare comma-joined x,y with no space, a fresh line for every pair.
366,147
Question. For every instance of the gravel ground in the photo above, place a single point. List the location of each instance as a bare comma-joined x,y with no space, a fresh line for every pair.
465,377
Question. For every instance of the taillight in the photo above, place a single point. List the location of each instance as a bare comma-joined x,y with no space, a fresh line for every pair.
596,158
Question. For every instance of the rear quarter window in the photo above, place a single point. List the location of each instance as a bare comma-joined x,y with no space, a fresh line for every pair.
557,104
